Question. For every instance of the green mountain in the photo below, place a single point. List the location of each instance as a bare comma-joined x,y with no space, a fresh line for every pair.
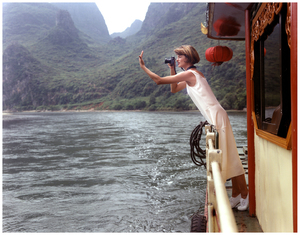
133,29
52,61
88,19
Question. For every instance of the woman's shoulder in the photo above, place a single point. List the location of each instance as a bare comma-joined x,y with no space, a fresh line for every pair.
197,72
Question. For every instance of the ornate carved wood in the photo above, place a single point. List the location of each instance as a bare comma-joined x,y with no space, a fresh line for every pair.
263,18
288,23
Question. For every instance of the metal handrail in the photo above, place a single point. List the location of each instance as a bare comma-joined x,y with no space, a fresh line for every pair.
217,196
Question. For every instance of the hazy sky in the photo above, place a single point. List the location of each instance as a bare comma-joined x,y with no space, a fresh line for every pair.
120,14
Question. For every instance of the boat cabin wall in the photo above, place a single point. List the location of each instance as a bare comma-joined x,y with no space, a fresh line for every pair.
273,186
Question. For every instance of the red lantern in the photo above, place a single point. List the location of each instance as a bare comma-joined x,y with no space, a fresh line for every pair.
227,26
218,54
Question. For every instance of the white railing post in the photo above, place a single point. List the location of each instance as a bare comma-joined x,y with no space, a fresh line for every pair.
217,196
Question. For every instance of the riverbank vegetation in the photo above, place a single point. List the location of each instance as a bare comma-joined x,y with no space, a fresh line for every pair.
61,65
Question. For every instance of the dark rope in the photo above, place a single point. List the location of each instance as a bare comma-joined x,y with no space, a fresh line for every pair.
197,154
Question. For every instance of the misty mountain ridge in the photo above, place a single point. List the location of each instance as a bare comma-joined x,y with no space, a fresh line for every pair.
56,57
133,29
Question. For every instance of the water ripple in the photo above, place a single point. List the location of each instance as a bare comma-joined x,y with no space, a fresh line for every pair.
102,171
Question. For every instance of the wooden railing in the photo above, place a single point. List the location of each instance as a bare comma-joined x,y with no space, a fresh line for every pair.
220,215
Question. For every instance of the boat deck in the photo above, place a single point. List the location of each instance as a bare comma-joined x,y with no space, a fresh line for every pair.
245,222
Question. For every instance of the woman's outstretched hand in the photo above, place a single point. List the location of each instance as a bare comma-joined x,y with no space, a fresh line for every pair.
142,63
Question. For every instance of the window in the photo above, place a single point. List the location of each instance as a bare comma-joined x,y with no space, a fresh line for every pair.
271,75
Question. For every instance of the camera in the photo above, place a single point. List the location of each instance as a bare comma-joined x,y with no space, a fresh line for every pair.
170,61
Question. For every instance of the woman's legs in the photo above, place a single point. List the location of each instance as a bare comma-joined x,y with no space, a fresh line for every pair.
239,186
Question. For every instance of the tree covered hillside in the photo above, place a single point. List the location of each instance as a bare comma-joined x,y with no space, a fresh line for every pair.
51,62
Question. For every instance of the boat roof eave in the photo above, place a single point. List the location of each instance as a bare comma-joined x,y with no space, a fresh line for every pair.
225,10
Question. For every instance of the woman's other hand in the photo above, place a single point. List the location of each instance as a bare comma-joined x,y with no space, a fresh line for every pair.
142,63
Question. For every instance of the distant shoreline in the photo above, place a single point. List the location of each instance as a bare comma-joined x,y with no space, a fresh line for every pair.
7,112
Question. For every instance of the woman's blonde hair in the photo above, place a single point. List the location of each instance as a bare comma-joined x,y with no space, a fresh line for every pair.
189,52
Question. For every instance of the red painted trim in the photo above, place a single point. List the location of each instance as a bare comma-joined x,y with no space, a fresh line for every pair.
250,125
294,110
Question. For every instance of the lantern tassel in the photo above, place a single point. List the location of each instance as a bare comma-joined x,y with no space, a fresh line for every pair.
217,64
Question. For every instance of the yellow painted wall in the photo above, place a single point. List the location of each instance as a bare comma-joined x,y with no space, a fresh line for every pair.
273,186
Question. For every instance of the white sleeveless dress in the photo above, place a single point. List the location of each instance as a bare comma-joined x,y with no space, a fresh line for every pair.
213,112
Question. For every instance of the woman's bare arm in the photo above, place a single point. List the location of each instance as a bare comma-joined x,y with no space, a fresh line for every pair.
175,87
177,81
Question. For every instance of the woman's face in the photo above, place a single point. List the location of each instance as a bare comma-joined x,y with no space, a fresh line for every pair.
181,60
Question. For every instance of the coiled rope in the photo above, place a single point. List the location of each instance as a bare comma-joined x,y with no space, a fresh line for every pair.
197,154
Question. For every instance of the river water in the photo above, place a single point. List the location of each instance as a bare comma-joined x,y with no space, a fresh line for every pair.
102,171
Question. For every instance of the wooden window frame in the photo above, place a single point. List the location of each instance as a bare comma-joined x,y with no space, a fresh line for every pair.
264,17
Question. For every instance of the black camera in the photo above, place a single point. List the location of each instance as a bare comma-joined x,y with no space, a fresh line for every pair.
170,61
